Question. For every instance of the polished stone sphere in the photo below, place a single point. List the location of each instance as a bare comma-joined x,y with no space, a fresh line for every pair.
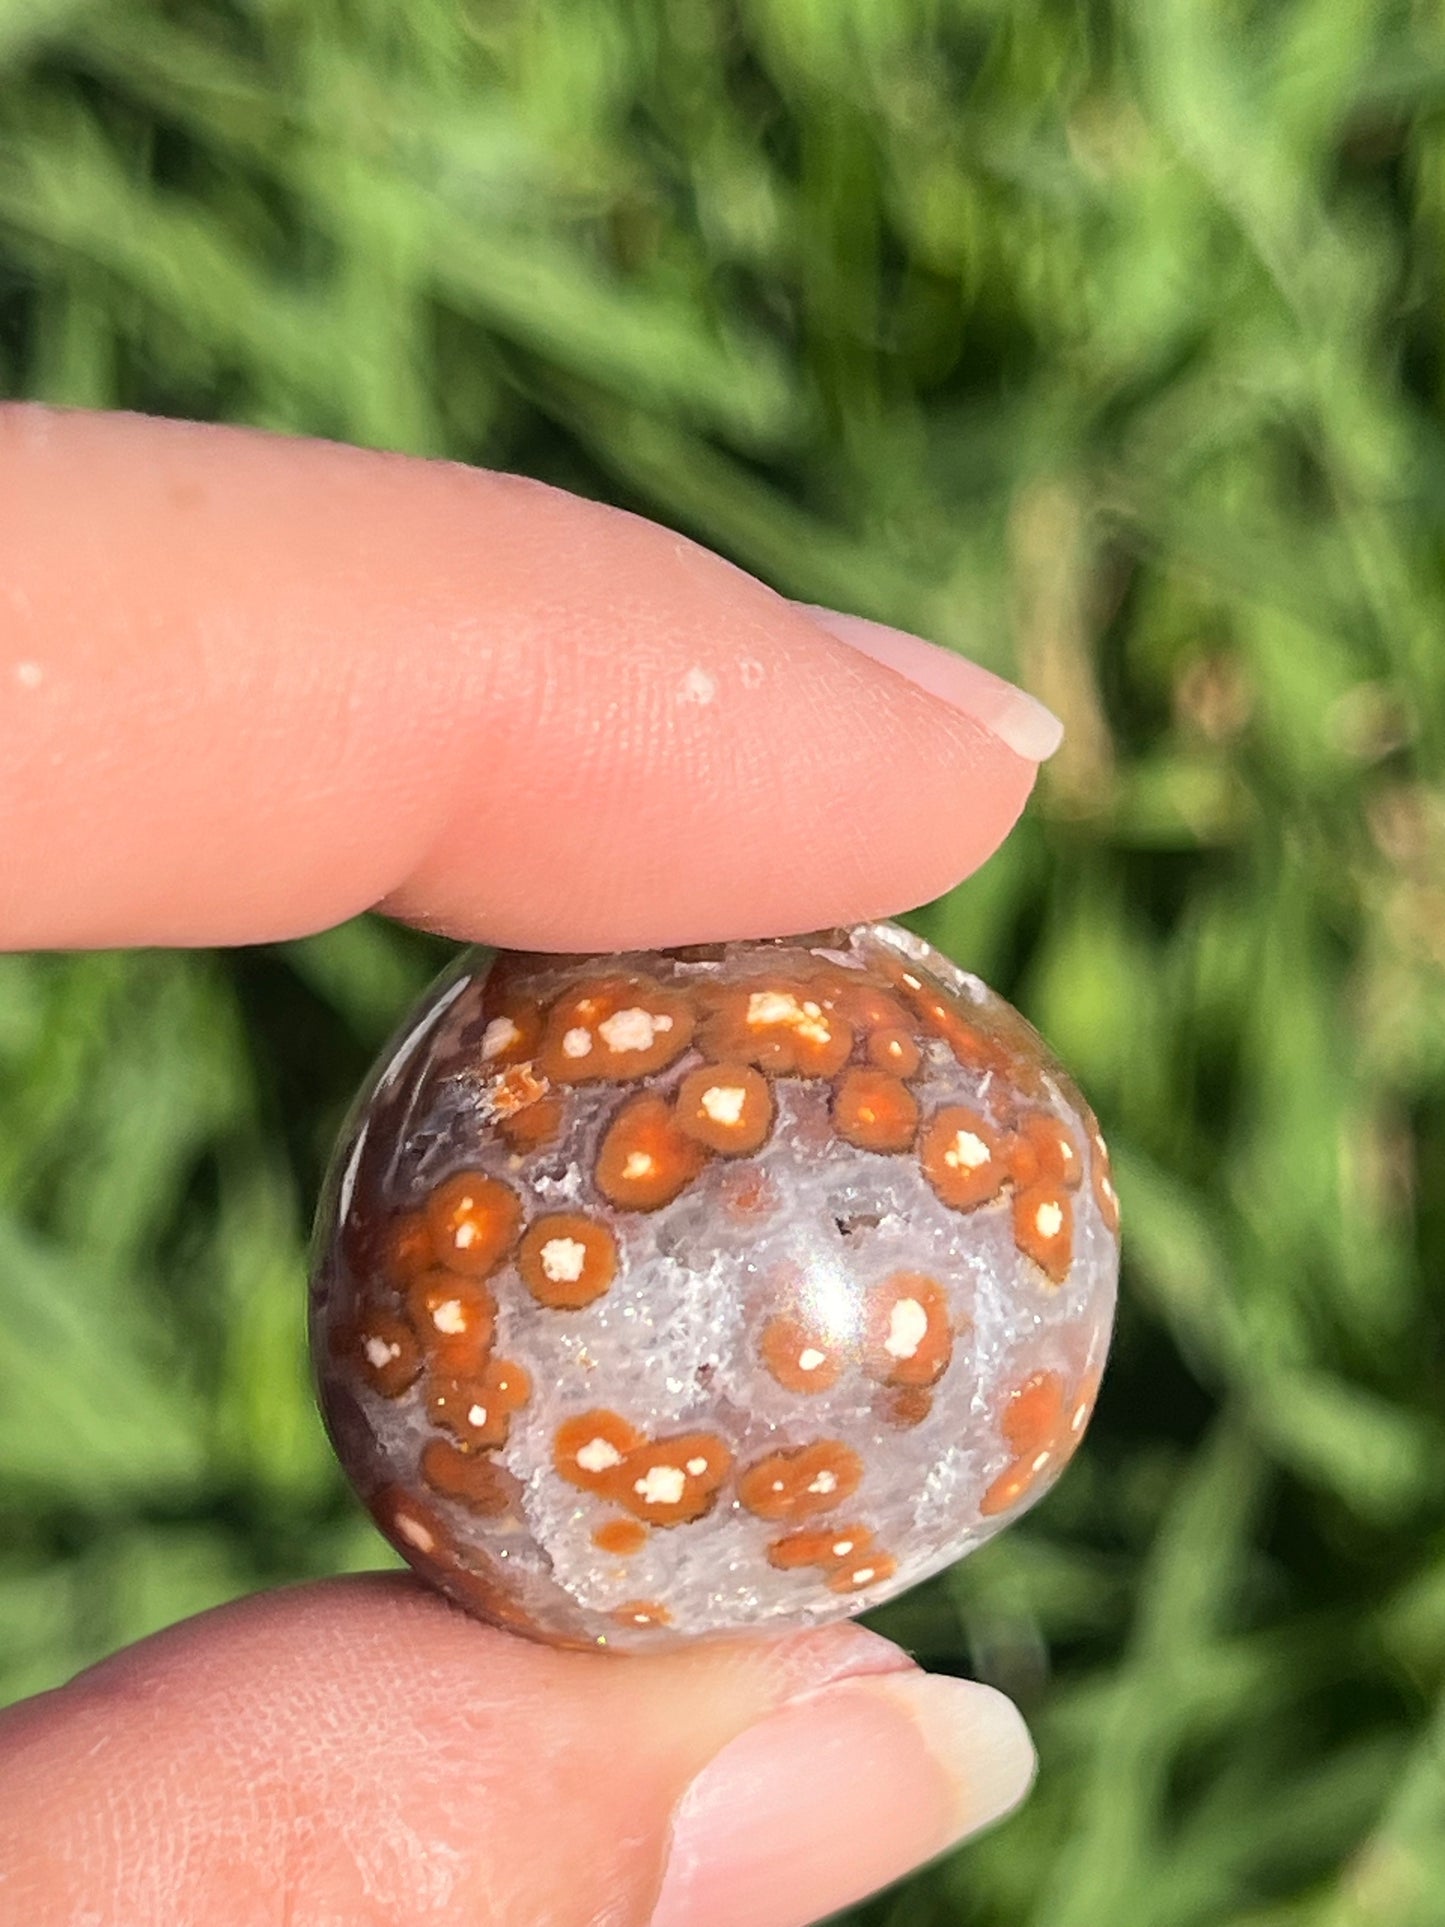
691,1292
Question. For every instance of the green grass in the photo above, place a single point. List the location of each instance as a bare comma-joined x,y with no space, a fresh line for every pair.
1103,341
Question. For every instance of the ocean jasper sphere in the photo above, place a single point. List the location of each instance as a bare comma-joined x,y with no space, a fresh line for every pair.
699,1291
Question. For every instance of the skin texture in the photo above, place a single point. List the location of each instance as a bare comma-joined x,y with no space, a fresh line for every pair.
248,687
252,686
350,1764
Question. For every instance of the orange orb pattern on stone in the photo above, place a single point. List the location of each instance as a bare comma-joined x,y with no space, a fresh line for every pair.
619,1028
469,1478
725,1107
893,1049
665,1482
386,1352
566,1260
794,1484
875,1111
455,1317
847,1556
645,1160
1043,1422
910,1332
799,1358
473,1220
663,1295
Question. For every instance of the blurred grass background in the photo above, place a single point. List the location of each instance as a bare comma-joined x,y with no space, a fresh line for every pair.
1105,342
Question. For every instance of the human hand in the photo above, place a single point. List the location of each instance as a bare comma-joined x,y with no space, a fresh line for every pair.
249,687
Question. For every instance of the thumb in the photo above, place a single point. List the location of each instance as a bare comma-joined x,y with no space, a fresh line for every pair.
359,1752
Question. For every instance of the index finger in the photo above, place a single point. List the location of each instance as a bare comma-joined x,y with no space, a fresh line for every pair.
250,686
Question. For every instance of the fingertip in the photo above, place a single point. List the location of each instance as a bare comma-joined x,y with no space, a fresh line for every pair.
362,1749
837,1794
263,683
1017,719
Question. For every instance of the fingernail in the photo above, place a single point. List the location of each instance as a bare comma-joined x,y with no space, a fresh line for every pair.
838,1793
1010,713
